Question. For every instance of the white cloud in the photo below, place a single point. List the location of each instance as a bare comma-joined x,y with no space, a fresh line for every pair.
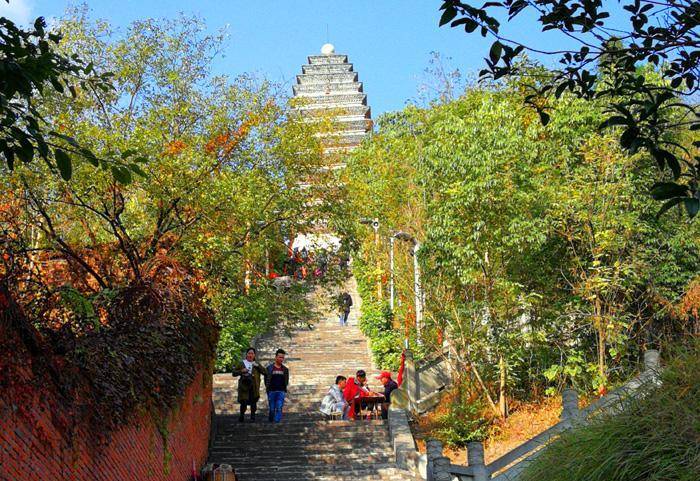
19,11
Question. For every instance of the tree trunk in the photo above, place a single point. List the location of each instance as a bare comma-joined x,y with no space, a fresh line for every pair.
246,266
601,332
246,277
484,389
502,402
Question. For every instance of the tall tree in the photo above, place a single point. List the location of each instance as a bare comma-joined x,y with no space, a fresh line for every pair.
605,64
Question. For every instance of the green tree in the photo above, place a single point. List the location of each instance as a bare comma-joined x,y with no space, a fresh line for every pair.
33,67
220,189
542,262
605,65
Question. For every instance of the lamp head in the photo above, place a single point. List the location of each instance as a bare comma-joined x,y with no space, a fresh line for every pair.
404,236
373,222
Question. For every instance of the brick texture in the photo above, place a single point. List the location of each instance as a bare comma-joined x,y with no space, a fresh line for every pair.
32,446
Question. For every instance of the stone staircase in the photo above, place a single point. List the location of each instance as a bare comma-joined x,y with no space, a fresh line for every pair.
305,446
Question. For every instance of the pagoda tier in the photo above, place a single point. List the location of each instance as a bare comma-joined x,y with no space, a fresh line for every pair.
329,85
347,110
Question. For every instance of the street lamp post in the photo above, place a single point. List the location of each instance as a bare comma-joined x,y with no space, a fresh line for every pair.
391,273
375,225
418,290
417,287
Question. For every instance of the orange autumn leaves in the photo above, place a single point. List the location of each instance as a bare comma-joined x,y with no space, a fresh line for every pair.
225,142
174,148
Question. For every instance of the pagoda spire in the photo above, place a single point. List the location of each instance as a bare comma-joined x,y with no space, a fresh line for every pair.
329,84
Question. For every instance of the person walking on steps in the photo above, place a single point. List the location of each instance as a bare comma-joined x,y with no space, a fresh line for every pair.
276,382
249,371
345,305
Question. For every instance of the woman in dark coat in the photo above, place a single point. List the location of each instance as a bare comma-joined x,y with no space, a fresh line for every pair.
249,371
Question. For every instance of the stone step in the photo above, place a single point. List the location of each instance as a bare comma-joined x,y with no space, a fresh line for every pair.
287,455
302,424
233,442
306,445
278,436
362,469
372,474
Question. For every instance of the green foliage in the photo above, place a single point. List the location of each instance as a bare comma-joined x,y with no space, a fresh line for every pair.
34,67
385,342
656,437
539,245
213,203
641,72
80,306
218,194
377,322
244,317
463,422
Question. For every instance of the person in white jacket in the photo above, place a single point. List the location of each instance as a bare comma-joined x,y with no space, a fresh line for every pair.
334,402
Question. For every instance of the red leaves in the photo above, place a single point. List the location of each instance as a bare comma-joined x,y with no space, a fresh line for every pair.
689,306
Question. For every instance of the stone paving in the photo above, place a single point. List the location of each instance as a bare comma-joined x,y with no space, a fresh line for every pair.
305,446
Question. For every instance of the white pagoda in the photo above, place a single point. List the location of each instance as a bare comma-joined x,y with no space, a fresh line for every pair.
329,85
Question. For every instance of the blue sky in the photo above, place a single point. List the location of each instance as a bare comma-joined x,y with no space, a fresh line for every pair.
389,41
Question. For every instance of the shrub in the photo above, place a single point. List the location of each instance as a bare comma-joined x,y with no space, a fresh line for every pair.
131,350
656,437
386,343
244,317
462,422
377,321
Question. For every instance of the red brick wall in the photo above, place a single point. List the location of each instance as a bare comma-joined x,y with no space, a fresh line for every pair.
34,449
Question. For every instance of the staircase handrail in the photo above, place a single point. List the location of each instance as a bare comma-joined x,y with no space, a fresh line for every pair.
510,465
439,358
531,445
424,380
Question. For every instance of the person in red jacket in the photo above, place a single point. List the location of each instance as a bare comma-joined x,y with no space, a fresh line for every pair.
355,389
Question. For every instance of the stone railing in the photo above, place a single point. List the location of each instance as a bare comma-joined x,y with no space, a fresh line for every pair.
423,382
407,455
509,466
